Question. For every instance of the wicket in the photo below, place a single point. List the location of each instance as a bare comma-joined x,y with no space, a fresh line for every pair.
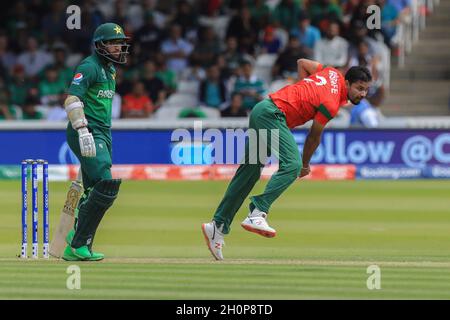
35,210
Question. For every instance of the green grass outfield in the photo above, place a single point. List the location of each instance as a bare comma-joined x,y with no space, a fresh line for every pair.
328,234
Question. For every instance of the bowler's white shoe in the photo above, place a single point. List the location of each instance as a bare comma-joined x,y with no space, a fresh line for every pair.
256,222
214,239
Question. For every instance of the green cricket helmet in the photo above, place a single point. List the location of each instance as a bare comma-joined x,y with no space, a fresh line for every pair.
103,35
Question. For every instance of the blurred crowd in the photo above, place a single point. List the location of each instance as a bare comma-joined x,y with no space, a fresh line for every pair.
199,57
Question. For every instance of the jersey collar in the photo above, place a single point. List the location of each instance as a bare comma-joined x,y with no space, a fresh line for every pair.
100,60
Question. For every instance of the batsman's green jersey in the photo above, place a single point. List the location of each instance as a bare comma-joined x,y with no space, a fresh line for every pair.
94,84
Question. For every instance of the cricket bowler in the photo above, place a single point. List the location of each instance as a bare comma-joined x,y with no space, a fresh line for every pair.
88,107
317,96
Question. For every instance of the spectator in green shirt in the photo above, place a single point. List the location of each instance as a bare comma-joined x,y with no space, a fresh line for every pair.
249,86
287,13
167,76
260,13
65,73
322,12
51,88
19,86
52,95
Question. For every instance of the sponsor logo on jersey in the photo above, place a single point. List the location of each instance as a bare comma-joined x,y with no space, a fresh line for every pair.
77,78
105,94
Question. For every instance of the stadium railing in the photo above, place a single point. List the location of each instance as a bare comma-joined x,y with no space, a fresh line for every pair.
410,26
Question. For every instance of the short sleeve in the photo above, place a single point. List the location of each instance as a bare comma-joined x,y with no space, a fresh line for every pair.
83,78
323,115
320,67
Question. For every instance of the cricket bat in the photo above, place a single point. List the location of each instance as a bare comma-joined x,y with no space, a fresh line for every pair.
67,218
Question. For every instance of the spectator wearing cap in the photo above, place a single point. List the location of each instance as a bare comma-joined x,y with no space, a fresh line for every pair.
18,86
137,104
332,49
307,34
249,86
235,108
270,43
34,59
176,49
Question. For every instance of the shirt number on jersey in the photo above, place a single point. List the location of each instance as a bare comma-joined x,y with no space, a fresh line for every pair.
321,81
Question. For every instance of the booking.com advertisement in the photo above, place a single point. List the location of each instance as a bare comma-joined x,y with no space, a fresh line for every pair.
376,154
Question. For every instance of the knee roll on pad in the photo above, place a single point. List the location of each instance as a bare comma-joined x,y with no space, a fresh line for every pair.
105,192
109,187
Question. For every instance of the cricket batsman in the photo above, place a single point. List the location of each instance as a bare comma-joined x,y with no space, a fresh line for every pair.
317,96
88,107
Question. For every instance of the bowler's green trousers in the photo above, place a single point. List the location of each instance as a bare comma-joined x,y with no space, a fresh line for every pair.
265,115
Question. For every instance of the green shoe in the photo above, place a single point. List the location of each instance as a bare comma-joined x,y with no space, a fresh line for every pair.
96,256
69,237
82,252
69,256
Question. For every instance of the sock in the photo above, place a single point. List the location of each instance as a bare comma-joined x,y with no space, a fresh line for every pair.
257,213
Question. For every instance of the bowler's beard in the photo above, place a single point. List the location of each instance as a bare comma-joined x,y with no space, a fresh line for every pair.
353,101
